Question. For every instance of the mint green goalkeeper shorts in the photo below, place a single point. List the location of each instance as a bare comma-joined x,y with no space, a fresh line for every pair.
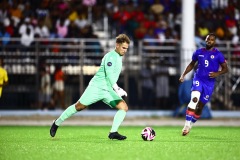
94,94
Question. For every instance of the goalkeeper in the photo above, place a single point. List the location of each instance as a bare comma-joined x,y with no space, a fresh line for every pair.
103,87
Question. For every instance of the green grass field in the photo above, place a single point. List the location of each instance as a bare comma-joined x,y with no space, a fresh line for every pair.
91,143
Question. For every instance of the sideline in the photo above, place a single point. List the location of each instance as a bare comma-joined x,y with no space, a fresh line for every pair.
104,118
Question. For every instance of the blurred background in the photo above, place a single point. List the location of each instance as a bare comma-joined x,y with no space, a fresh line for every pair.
45,41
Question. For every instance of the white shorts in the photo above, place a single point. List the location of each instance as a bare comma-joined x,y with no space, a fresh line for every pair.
59,86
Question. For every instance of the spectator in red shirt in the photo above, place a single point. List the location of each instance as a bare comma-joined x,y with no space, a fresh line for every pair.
59,87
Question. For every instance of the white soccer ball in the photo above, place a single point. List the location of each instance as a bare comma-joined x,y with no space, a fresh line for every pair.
148,134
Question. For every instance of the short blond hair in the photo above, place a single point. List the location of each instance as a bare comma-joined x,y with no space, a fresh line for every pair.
122,38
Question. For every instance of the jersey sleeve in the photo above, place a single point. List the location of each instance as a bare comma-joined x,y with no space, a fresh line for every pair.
110,63
221,58
195,56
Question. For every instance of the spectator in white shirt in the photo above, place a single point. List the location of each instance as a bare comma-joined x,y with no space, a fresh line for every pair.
27,39
42,30
23,27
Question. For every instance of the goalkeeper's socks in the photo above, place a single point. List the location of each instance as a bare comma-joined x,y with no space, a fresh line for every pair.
118,118
71,110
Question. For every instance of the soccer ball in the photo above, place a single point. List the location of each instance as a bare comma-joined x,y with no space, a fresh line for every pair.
148,134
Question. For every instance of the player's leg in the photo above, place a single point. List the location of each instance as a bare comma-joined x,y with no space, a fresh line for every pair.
87,98
119,116
71,110
204,98
114,101
117,121
197,113
195,95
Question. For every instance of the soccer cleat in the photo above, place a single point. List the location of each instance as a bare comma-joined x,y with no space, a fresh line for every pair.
185,130
116,135
53,129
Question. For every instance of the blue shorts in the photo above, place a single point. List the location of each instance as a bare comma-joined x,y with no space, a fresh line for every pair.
205,90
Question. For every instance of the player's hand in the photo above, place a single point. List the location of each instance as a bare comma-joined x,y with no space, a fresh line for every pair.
213,74
119,90
181,79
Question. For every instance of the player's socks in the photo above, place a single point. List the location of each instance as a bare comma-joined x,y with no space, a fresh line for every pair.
187,127
66,114
194,119
118,118
189,116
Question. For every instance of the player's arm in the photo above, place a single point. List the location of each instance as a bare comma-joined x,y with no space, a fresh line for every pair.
4,83
109,65
112,76
224,69
189,67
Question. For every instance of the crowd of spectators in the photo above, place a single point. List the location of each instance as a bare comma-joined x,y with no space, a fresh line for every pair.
30,19
161,19
140,19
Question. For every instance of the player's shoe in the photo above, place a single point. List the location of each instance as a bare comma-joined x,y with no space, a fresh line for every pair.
53,129
185,130
116,135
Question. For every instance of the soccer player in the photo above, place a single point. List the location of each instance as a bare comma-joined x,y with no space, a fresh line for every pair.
103,87
3,76
211,63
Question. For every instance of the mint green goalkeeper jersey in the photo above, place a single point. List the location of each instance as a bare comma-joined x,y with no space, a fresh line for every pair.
109,71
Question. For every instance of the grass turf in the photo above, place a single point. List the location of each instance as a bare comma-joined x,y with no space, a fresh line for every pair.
92,143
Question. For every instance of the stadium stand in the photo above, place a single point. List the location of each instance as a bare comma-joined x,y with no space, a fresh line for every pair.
75,33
